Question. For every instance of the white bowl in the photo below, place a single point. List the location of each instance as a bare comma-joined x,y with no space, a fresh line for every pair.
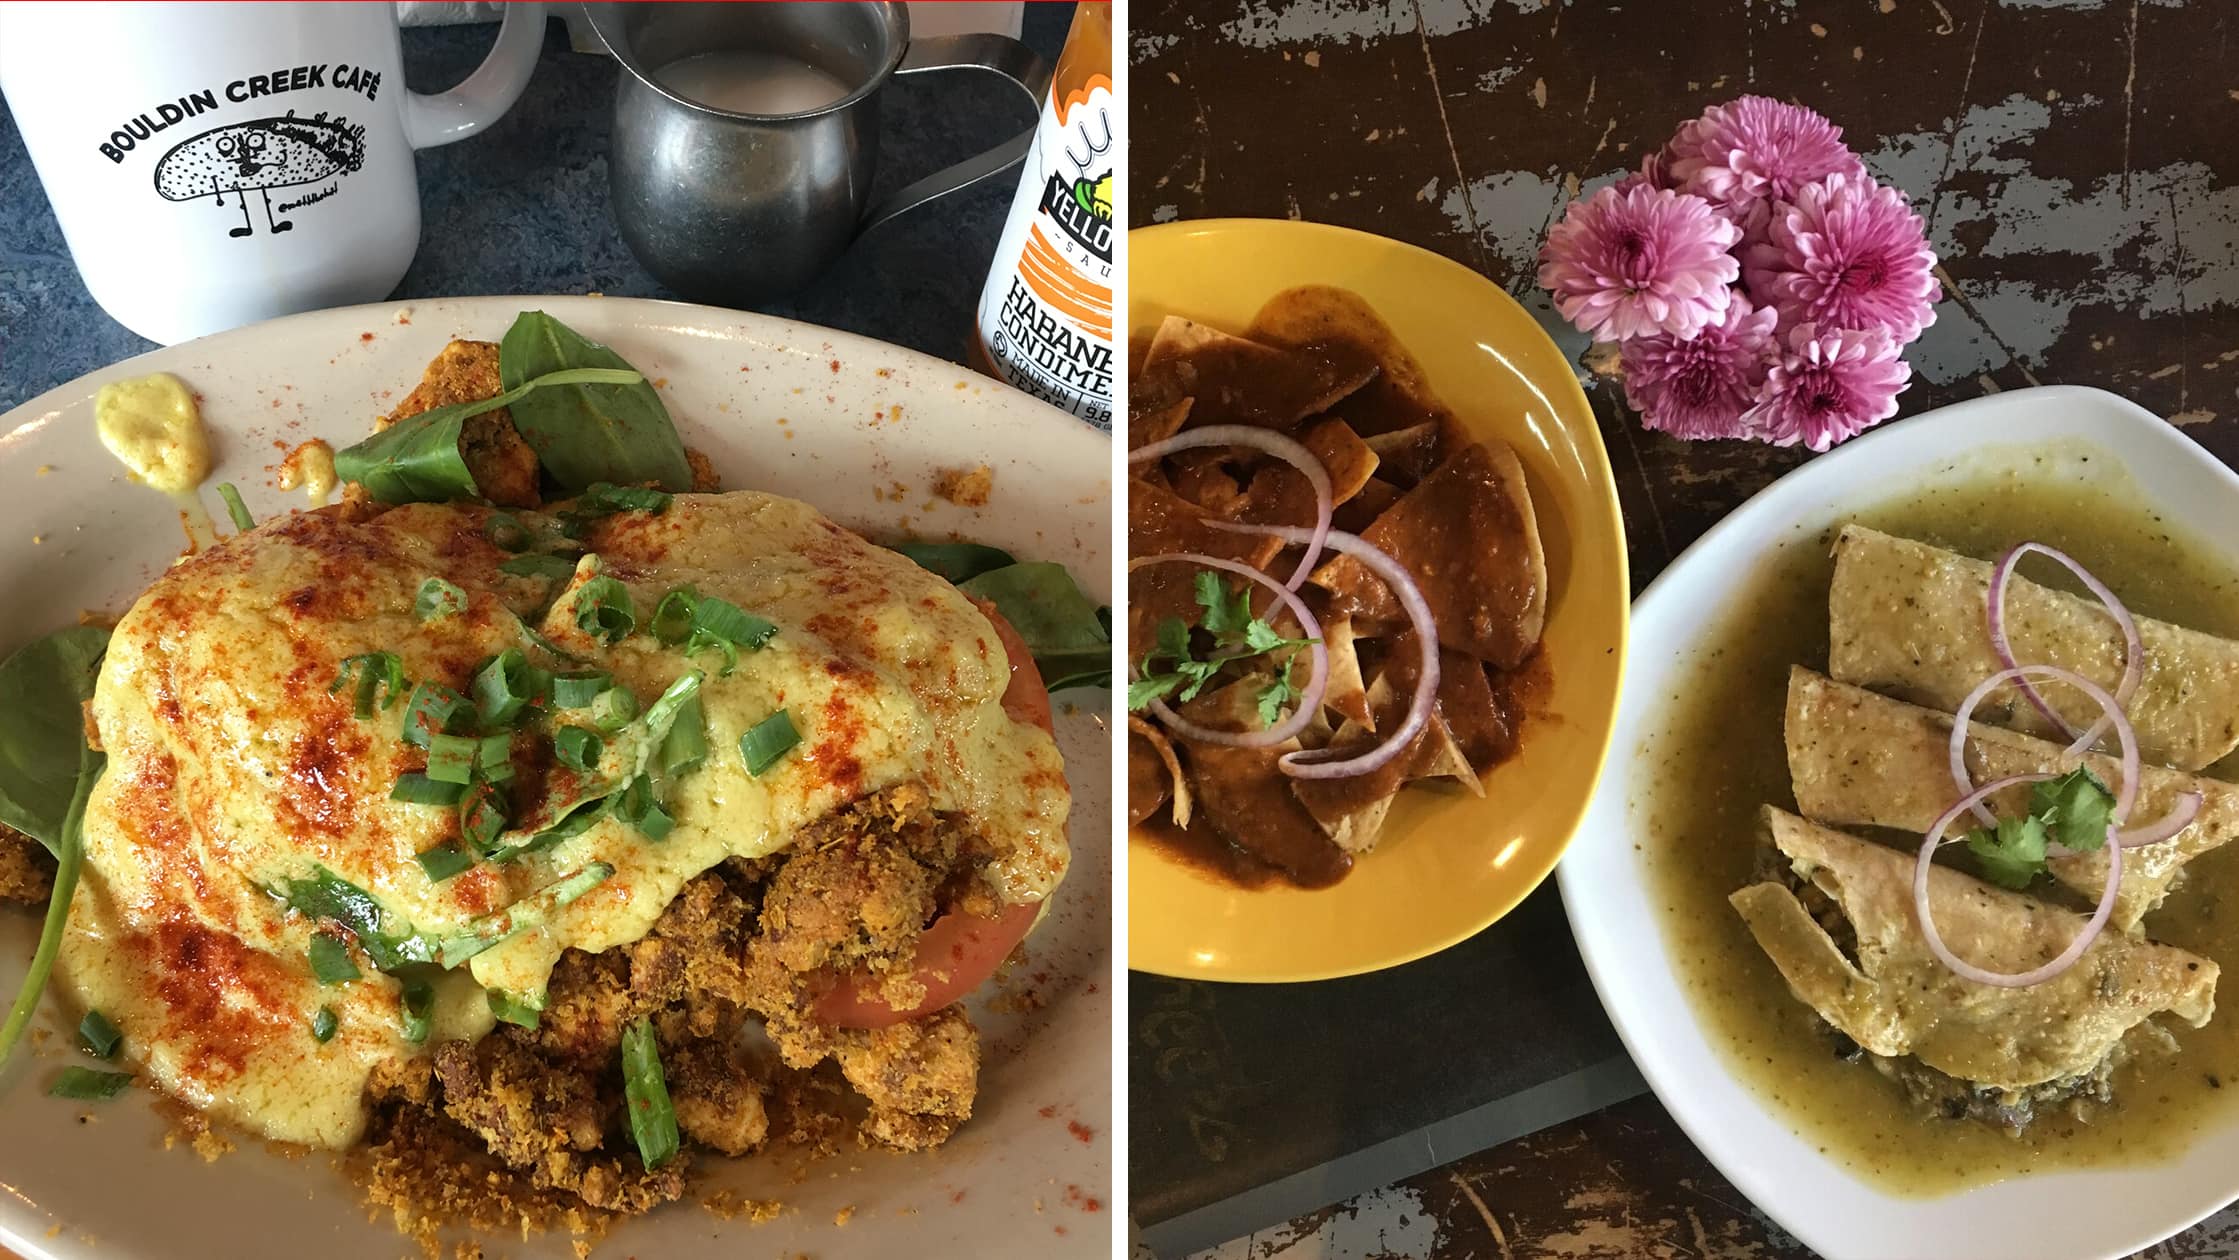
2071,1215
834,419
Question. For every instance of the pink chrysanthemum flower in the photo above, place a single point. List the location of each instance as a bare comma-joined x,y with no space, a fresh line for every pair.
1755,149
1829,387
1633,260
1846,253
1700,388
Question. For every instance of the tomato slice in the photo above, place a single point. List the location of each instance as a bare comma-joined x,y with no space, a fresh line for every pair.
959,951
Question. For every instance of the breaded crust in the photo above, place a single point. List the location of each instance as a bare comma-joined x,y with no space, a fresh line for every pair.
504,466
26,871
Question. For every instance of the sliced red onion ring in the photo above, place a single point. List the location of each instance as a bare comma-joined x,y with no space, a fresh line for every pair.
1310,764
2134,648
1967,970
1317,679
1289,450
2126,795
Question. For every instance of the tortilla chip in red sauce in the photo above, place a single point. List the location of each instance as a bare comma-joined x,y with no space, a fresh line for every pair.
1246,799
1467,536
1160,522
1233,380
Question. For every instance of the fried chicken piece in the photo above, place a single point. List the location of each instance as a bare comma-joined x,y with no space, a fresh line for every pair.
26,869
718,1101
546,1121
504,466
919,1077
586,1005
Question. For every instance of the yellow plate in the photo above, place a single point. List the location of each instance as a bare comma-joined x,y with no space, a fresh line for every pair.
1449,864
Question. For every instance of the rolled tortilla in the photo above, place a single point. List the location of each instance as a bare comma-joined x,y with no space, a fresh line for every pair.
1857,758
1909,619
1896,999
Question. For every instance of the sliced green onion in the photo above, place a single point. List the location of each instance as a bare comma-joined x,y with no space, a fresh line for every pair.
770,739
503,687
523,1011
324,1025
608,497
482,816
577,688
652,1115
613,709
493,757
429,712
685,747
672,617
87,1085
539,565
578,748
330,960
99,1037
443,861
236,508
505,532
451,758
416,1010
414,788
726,620
641,808
603,610
438,599
374,671
527,914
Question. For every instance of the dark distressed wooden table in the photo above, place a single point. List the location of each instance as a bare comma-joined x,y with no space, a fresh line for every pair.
2077,160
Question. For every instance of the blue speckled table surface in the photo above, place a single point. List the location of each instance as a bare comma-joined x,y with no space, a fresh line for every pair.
522,208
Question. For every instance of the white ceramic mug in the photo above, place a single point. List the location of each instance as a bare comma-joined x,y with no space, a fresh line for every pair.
216,164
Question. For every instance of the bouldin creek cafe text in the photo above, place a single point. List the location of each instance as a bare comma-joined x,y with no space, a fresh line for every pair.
340,74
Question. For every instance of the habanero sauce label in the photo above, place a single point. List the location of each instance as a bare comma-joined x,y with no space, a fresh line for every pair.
1045,317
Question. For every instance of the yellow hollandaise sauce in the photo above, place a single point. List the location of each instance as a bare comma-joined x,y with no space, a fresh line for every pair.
238,770
151,424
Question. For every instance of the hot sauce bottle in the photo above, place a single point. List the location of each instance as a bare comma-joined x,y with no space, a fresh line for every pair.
1045,316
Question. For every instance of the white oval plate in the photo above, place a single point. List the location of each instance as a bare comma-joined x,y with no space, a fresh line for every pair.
856,427
2081,1215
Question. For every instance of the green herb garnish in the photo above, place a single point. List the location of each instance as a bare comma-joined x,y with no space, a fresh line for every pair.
99,1036
451,758
768,740
88,1085
443,861
47,772
481,816
506,532
429,712
613,709
330,960
603,610
578,748
1068,634
539,565
438,599
672,617
379,677
614,432
235,508
959,562
684,749
2074,810
326,897
1237,636
324,1025
416,1009
641,808
418,459
503,687
414,788
525,1012
652,1116
577,688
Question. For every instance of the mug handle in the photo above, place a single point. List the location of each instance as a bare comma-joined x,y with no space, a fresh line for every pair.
1003,55
488,92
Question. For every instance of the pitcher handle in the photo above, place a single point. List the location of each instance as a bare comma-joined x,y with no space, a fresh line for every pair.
430,120
1003,55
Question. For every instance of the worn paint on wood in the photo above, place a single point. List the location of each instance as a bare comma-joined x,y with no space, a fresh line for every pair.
2076,164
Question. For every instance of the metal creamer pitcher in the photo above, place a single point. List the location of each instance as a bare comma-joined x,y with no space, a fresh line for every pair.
737,205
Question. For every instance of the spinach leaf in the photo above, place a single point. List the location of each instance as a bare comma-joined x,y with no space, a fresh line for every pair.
957,561
593,432
69,855
418,460
1067,633
43,689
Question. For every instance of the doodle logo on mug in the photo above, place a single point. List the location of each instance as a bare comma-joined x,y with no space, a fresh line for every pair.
226,171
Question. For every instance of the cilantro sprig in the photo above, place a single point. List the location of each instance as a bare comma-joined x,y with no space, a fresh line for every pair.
1237,636
2074,811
